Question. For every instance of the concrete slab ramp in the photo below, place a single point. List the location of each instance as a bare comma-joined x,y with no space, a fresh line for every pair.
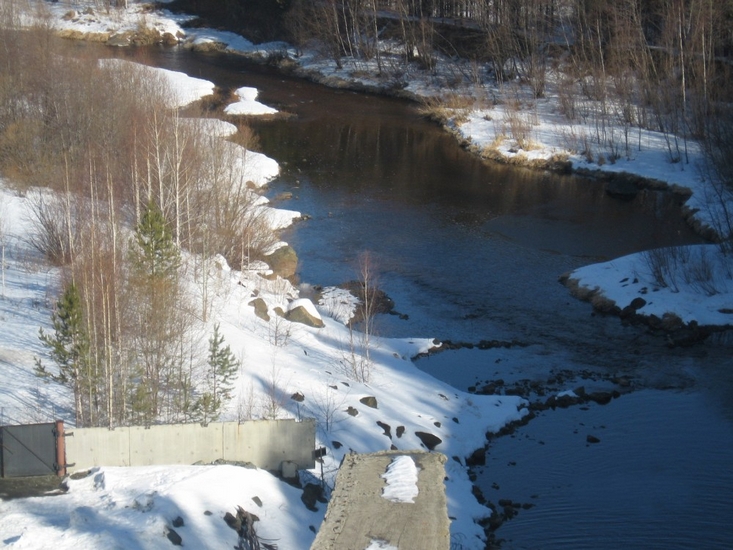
360,517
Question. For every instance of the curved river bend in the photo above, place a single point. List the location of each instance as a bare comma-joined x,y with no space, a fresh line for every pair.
470,252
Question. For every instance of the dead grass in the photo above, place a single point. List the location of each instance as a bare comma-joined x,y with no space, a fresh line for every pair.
446,107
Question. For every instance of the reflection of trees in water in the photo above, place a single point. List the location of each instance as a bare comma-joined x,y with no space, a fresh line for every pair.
411,162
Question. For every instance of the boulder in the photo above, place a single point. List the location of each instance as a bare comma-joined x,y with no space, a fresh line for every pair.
260,308
283,262
369,401
429,440
303,311
121,39
174,537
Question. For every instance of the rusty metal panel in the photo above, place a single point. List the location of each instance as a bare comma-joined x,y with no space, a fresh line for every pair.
28,450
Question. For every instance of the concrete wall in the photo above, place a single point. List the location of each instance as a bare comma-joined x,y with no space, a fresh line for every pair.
264,443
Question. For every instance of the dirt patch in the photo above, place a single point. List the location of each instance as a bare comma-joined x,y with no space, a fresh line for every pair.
36,486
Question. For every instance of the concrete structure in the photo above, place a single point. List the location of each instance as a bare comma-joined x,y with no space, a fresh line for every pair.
264,443
358,515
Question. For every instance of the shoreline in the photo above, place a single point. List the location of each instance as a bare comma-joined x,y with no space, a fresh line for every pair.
540,156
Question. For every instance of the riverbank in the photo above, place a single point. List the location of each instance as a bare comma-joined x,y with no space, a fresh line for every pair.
500,123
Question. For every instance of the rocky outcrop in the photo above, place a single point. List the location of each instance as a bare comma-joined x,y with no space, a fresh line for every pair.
676,331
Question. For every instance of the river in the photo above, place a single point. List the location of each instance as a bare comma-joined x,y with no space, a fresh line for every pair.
470,251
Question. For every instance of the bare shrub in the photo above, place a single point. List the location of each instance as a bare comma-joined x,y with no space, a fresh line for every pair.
279,331
602,304
699,273
326,407
567,97
519,125
246,404
246,137
666,265
57,232
237,225
274,398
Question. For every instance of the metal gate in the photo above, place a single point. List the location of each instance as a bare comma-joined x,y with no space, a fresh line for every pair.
31,450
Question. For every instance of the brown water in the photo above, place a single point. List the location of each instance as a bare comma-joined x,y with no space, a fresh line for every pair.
470,251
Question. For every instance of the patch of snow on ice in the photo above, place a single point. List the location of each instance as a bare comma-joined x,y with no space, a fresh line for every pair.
248,104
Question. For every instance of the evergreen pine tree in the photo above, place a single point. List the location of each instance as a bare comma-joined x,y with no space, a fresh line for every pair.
155,254
222,369
68,347
154,261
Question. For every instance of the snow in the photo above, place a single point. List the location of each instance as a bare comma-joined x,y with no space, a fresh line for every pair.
698,285
248,104
184,89
311,361
401,479
134,507
380,545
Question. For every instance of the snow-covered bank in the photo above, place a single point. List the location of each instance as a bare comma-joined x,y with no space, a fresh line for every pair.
500,122
676,286
280,359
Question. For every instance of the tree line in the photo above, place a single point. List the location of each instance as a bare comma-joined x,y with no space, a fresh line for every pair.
135,188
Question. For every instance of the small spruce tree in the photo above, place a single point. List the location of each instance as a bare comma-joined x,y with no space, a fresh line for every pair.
155,254
68,347
222,369
154,287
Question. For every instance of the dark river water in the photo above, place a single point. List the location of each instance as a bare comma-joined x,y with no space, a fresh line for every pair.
469,252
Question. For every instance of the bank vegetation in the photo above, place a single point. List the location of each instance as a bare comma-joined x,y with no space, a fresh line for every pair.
131,198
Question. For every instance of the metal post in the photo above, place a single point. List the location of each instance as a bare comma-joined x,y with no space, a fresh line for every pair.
60,449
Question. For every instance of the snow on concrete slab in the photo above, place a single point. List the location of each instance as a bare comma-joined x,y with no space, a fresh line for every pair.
401,480
359,515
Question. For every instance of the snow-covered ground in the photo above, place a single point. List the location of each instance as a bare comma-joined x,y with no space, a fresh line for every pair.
130,508
135,507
